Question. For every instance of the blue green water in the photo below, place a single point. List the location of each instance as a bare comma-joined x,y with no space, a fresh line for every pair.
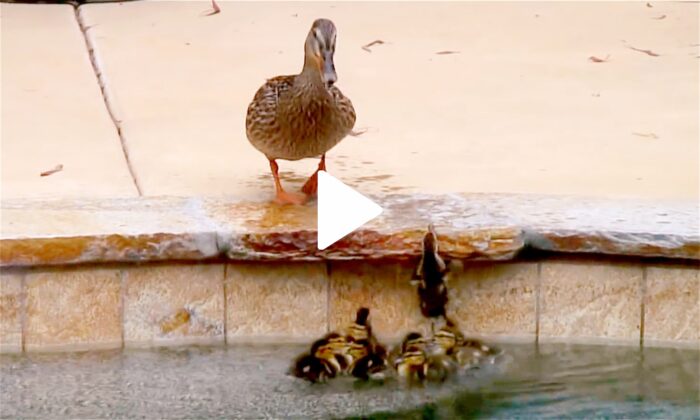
546,381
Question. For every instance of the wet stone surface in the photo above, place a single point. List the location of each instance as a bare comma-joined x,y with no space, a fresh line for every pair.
250,382
470,226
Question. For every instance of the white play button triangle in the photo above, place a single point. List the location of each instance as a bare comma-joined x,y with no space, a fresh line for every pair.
340,210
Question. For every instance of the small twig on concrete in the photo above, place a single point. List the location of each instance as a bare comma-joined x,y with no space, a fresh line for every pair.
373,43
647,52
216,8
446,52
599,60
662,17
57,168
647,135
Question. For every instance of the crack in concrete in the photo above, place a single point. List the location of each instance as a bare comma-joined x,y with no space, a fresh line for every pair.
105,95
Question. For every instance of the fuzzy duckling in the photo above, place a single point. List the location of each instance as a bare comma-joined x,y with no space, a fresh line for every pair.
366,364
412,339
304,115
430,278
414,349
361,330
320,364
465,352
411,366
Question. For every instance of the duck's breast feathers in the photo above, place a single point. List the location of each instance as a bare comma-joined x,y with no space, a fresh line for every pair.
345,109
264,106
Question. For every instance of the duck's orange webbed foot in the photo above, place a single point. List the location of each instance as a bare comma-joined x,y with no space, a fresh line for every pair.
310,188
284,197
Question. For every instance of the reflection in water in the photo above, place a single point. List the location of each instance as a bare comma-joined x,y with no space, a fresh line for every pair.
249,381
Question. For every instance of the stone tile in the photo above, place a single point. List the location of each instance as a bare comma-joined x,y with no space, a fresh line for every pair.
495,299
590,299
266,301
56,116
169,304
73,308
382,287
10,312
672,303
540,82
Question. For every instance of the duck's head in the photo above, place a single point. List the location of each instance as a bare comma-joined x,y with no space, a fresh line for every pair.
319,49
430,241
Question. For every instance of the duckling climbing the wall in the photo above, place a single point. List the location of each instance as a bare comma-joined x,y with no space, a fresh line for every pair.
430,277
304,115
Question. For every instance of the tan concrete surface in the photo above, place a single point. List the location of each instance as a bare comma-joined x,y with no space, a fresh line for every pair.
173,304
73,309
53,112
283,302
590,300
672,304
519,108
11,307
495,299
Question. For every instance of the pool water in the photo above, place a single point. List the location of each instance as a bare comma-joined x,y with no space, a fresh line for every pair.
528,381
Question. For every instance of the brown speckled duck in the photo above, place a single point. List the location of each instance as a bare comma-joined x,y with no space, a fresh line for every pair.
304,115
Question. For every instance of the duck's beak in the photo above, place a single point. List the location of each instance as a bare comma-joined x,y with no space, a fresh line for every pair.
328,69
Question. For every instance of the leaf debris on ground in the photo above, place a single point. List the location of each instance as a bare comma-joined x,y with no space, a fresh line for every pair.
216,8
595,59
647,135
57,168
647,52
447,52
371,44
659,17
649,5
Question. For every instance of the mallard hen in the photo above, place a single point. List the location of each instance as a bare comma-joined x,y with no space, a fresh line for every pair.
304,115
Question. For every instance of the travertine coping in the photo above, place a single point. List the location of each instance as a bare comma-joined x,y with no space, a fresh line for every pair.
470,226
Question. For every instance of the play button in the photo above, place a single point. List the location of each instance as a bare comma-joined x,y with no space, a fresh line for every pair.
340,210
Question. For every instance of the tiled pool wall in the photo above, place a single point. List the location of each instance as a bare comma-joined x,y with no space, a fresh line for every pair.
554,299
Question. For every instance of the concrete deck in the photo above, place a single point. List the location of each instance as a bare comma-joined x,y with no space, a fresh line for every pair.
518,107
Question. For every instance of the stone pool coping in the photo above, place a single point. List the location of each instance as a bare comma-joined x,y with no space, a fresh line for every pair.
39,232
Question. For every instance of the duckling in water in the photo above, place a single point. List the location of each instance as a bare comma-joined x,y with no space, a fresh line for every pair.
361,329
411,366
326,359
430,278
413,351
366,364
465,352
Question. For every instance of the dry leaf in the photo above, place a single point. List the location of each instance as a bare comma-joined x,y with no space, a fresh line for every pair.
647,52
446,52
216,8
647,135
376,42
649,5
599,60
57,168
659,17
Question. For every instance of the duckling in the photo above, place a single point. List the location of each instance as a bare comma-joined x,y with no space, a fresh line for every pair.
320,364
430,278
361,329
412,366
366,364
412,339
465,352
304,115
